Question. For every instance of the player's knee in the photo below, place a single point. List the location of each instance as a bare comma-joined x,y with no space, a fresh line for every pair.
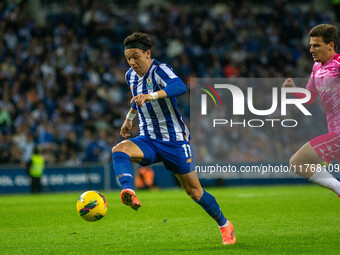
114,149
119,148
296,159
294,163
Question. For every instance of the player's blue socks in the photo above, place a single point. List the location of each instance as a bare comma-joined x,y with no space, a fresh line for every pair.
209,204
123,169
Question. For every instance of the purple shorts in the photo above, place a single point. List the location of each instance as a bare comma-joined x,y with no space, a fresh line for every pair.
327,146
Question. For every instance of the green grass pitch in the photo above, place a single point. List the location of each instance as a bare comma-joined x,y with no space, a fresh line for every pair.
267,220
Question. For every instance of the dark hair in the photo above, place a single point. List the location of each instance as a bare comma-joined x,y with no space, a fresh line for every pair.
327,32
138,37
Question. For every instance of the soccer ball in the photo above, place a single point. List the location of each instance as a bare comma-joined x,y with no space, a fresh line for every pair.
91,205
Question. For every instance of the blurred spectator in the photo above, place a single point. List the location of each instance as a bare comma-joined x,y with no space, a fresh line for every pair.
35,169
145,178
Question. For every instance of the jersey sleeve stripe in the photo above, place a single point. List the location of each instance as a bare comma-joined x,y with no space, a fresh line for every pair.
165,73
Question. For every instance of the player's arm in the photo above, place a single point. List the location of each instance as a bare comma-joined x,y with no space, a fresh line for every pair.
127,125
289,83
175,87
144,98
312,99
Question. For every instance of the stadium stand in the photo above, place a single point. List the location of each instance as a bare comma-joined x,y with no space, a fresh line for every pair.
62,82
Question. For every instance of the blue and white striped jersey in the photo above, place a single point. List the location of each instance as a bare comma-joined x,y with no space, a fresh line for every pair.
158,119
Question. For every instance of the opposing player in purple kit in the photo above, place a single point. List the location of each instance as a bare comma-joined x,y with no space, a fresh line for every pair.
163,136
324,81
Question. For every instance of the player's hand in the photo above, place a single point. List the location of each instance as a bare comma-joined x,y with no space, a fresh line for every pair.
289,83
141,99
126,128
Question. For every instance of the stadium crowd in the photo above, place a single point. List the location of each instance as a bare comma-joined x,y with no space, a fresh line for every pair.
62,85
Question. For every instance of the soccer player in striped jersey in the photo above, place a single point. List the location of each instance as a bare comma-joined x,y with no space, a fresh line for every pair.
163,136
324,81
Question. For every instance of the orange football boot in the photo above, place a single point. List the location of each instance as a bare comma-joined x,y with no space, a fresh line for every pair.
129,198
228,235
